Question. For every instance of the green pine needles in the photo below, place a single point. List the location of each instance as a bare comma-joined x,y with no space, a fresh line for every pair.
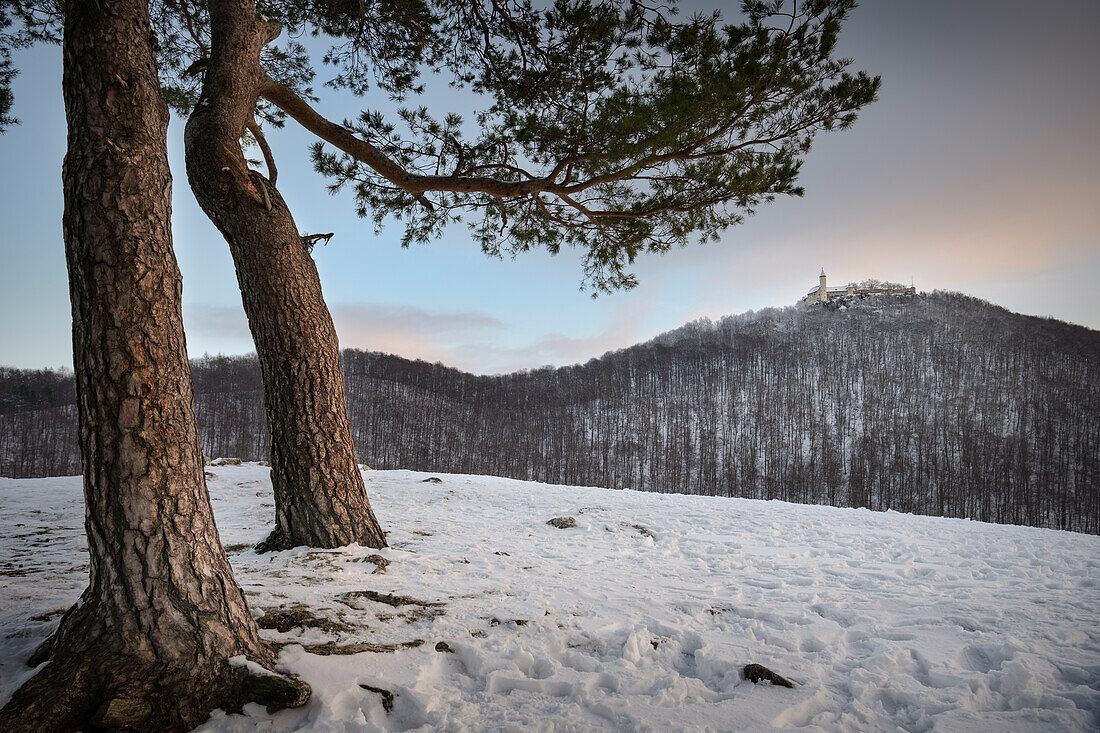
613,126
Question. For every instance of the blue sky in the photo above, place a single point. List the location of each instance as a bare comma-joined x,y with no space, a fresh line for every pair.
978,170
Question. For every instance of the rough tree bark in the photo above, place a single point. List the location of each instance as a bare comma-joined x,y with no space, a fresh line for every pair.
149,643
320,499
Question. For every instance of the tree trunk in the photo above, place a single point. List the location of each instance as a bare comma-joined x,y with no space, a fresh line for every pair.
148,644
320,499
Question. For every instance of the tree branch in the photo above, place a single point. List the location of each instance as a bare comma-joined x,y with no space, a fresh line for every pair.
366,153
269,159
309,240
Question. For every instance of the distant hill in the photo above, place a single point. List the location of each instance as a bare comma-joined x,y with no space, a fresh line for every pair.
934,404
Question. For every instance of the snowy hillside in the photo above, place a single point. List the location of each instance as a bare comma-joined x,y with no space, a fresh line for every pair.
935,404
641,617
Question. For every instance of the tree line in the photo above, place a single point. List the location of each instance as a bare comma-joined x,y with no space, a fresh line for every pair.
937,404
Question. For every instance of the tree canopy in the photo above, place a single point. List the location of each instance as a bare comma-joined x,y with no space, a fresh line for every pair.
11,38
613,126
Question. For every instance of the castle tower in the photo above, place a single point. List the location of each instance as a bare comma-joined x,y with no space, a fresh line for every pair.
823,292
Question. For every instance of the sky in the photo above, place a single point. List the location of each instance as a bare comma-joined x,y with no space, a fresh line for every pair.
978,170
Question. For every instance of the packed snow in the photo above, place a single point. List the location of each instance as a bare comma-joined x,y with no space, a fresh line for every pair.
641,617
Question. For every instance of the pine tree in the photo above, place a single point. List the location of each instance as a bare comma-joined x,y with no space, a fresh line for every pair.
609,127
148,644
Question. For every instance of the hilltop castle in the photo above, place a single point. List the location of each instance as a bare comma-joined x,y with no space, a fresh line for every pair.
823,293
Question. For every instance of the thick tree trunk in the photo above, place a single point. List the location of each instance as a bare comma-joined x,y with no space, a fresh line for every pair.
320,499
148,644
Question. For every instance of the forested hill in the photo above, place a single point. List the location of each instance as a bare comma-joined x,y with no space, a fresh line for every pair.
935,404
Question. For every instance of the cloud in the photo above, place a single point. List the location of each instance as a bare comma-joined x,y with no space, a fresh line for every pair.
624,326
407,331
216,329
364,319
480,342
411,331
944,239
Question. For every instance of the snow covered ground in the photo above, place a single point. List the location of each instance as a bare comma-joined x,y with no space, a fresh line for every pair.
639,618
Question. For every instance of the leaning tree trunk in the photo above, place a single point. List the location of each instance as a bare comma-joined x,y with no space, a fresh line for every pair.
320,499
149,643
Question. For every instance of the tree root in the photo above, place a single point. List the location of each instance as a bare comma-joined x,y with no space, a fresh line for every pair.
280,540
330,648
387,598
275,691
277,541
757,673
95,686
285,619
387,697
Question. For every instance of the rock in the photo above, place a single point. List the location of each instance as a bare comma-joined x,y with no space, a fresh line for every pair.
432,480
444,647
563,522
757,673
225,462
122,712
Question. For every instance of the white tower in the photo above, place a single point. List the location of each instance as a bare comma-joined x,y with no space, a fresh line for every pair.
822,292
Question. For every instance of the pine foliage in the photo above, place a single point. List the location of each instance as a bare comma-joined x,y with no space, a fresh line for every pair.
611,126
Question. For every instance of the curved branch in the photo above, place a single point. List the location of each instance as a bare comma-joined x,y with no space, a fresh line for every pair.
269,159
366,153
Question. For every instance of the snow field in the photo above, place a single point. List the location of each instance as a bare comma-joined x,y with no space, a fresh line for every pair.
640,618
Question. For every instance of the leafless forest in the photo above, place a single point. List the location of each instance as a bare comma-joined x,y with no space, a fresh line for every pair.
935,404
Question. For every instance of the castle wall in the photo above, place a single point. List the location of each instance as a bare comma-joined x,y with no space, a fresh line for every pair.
823,294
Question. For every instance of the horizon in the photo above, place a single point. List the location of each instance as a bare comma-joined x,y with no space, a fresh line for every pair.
67,368
975,172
